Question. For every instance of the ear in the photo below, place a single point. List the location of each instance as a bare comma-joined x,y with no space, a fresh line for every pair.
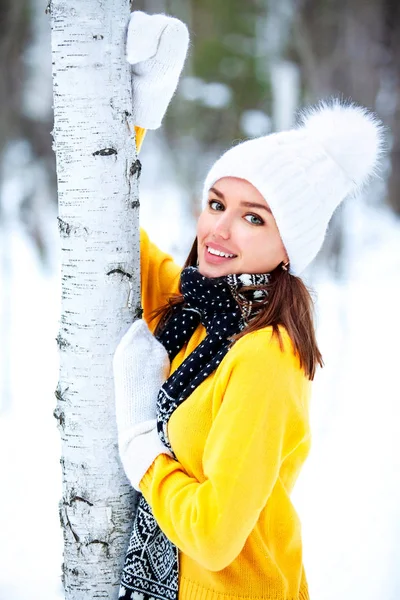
285,256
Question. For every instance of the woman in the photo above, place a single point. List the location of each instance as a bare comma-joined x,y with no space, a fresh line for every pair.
213,409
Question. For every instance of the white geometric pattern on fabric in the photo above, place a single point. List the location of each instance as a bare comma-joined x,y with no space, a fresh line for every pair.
161,555
150,569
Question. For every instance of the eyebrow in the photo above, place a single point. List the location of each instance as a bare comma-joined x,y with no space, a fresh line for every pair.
243,203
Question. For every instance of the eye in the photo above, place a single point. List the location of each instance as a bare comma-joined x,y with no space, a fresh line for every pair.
211,202
254,220
216,205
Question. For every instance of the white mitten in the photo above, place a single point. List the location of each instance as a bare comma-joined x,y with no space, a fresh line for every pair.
140,366
138,449
156,47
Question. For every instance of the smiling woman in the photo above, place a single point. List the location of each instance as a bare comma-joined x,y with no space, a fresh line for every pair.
212,387
249,241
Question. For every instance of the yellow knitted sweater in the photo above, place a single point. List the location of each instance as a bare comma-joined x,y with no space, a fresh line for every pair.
240,440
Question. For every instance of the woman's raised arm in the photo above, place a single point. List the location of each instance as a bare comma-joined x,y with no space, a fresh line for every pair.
156,47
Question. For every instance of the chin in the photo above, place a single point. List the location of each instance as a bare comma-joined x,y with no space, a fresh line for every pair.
210,271
205,270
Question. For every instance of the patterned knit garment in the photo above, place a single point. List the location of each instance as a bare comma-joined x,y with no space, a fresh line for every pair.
223,307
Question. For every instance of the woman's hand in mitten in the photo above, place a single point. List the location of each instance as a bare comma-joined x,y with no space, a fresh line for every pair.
140,365
156,47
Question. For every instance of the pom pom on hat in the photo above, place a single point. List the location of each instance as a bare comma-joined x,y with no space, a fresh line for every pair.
306,172
350,134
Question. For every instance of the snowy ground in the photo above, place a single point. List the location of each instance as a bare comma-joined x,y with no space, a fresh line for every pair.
348,494
31,544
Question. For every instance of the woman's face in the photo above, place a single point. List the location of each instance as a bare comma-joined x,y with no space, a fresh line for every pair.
238,222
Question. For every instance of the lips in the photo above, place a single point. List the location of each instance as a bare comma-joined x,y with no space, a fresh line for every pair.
215,246
216,259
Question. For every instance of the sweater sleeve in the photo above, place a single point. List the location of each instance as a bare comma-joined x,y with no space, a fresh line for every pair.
159,277
258,424
159,274
140,134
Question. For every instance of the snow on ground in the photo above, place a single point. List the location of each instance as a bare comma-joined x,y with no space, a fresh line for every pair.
30,472
347,495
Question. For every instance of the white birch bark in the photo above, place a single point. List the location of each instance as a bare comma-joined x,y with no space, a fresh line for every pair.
97,172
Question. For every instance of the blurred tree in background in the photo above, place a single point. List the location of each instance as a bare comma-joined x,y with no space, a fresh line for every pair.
26,121
352,49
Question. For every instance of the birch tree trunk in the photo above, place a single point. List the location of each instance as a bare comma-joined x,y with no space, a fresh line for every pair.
97,172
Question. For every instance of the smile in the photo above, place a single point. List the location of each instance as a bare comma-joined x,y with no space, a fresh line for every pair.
218,253
217,256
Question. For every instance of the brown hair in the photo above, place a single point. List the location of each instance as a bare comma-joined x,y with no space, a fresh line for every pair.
288,303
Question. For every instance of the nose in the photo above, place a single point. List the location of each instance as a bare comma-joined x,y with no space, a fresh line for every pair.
222,226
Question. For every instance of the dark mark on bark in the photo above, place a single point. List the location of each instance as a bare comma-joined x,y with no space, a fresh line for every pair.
135,204
62,343
136,167
138,312
105,545
65,229
58,414
98,36
59,394
120,272
60,514
66,522
105,152
47,10
71,571
79,499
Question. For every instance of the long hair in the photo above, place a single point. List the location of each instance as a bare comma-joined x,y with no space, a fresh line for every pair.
288,303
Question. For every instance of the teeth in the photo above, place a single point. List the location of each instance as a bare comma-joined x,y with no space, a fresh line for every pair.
218,253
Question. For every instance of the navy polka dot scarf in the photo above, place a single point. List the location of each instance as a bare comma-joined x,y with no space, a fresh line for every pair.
224,307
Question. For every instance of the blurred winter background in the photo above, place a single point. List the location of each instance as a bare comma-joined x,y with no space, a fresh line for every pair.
251,65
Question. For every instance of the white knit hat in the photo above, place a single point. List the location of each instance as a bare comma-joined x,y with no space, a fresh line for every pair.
305,173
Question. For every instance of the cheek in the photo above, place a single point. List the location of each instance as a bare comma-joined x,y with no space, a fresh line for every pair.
267,247
201,228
